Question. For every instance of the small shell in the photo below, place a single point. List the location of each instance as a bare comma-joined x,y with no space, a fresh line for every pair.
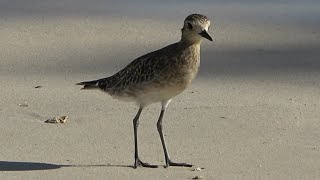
198,177
197,169
23,105
59,119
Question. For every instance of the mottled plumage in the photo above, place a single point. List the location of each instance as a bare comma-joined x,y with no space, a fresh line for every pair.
197,17
171,67
159,76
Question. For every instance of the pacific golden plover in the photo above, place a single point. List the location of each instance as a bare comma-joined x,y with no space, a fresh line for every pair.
158,77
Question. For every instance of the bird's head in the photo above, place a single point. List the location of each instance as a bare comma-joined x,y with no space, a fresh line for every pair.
195,28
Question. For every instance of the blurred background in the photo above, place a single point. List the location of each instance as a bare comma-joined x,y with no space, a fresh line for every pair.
253,38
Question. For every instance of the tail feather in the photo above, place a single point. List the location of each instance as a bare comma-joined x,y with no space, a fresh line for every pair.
89,84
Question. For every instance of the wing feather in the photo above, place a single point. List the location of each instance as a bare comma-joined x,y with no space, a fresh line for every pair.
142,70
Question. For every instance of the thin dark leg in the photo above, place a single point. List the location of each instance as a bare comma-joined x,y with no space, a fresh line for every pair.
166,155
138,162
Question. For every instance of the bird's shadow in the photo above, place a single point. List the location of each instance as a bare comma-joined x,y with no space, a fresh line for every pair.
34,166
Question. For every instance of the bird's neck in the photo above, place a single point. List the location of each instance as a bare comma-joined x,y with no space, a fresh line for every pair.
190,53
189,44
190,40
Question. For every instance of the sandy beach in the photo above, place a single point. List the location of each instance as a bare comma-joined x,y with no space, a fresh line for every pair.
253,112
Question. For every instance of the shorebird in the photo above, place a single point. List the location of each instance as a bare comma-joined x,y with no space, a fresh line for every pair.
158,77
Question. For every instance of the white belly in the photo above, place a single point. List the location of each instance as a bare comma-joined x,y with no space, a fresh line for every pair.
159,95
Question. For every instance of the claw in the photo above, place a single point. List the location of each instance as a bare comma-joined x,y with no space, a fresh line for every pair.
139,163
170,163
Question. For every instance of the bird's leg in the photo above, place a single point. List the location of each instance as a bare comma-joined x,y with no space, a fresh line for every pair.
166,155
137,161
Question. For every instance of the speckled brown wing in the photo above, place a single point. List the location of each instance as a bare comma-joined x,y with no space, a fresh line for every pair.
142,70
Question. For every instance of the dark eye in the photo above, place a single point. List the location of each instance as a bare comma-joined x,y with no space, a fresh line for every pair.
189,26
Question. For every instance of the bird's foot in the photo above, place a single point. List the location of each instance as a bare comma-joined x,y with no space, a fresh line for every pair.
139,163
170,163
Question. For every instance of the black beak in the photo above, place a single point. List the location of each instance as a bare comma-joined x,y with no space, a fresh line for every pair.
205,34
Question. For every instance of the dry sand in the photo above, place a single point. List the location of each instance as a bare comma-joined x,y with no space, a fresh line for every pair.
252,113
